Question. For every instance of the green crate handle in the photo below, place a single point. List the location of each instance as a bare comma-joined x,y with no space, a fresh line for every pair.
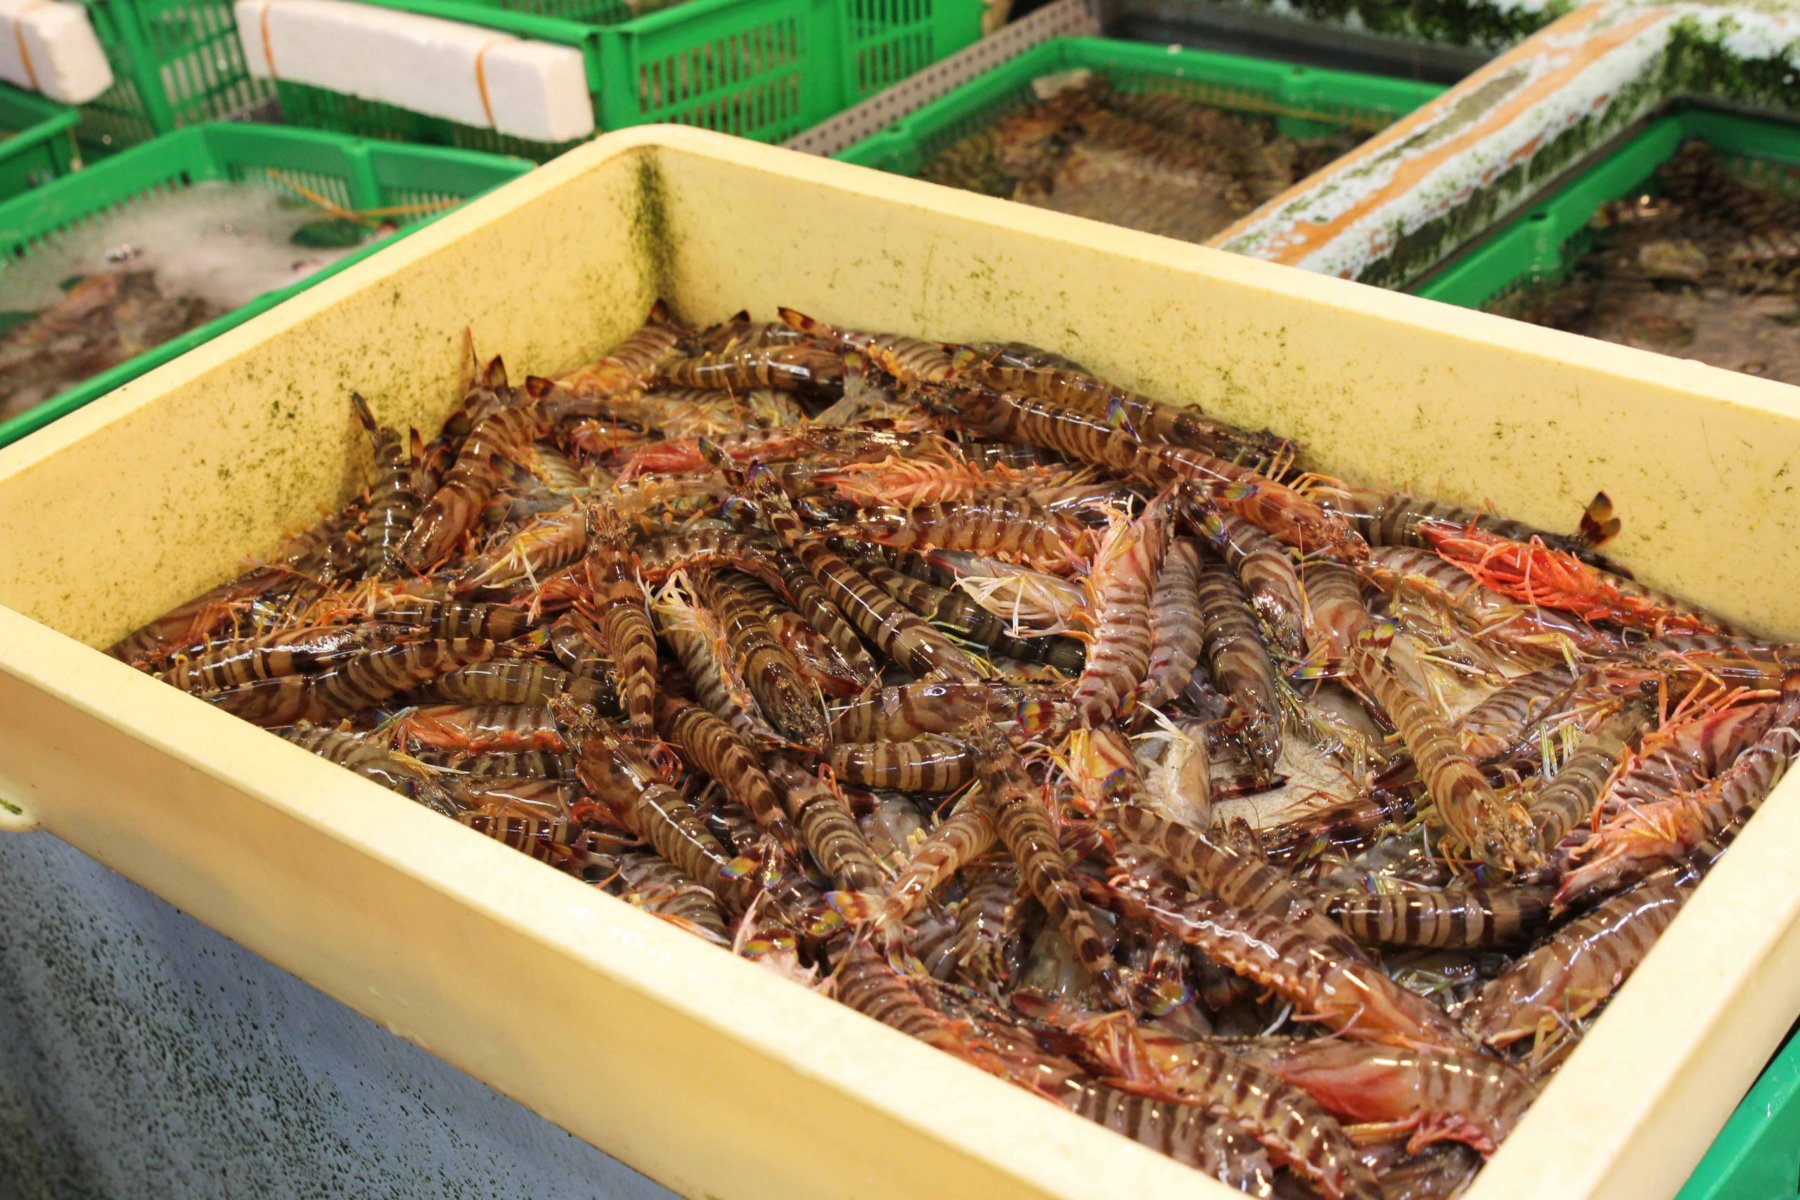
370,172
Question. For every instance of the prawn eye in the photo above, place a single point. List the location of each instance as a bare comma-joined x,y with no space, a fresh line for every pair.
1115,417
740,509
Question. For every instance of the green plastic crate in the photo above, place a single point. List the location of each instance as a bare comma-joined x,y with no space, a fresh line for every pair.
36,142
1304,100
761,69
1544,243
175,63
349,172
1757,1155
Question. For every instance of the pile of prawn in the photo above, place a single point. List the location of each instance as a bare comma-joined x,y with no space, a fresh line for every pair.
1295,828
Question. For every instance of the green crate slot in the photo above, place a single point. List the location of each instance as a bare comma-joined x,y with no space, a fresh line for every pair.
349,172
1757,1154
1543,244
175,63
37,142
761,69
1304,101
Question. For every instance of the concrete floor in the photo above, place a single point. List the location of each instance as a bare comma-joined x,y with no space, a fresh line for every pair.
142,1056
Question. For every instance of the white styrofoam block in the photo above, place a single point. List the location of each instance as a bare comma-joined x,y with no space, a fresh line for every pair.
535,90
533,81
50,46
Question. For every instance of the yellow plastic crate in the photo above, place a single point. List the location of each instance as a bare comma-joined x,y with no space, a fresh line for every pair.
702,1070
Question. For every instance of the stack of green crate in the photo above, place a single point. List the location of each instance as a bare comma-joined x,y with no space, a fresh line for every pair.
37,141
762,69
415,183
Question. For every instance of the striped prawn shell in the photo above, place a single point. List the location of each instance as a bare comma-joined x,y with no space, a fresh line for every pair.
1524,631
1502,718
553,842
773,676
619,776
699,646
715,748
552,468
1010,528
626,365
518,764
231,662
987,926
928,764
361,682
1268,574
516,796
1463,802
515,681
911,710
1442,1094
618,609
1176,633
959,839
1119,585
958,614
658,886
1280,1116
1400,519
1568,801
866,983
1644,837
548,544
1237,879
1575,970
482,728
829,829
1459,918
1238,662
817,655
817,610
903,637
394,505
374,762
738,369
907,358
1276,509
575,644
1016,417
1186,1133
1680,758
1023,825
453,509
189,625
449,619
711,548
1150,420
1340,990
1334,615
